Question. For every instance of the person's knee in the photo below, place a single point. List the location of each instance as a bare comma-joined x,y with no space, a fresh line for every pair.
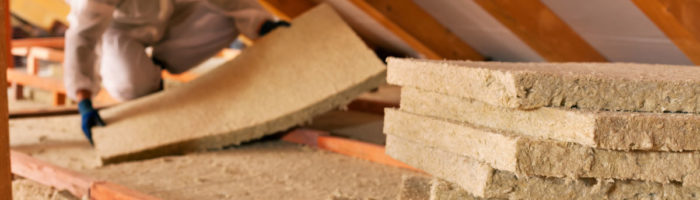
125,91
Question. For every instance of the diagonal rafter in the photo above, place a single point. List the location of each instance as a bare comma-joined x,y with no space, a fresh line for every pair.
541,29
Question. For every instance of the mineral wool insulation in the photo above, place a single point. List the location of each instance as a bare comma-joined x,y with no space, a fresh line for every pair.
287,77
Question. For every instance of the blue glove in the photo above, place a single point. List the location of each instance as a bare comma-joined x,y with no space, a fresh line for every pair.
90,118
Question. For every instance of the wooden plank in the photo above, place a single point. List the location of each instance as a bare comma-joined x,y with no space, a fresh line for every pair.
386,96
18,91
367,151
51,42
5,62
103,190
78,184
541,29
51,111
371,106
362,150
183,77
678,20
419,37
32,64
44,53
287,9
421,25
20,77
48,174
58,99
304,136
43,112
413,42
20,51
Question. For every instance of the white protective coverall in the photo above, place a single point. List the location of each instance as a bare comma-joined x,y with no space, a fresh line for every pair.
183,33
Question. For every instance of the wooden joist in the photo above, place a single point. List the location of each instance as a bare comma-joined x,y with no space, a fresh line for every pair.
362,150
50,42
421,25
23,78
409,39
78,184
287,9
678,20
371,105
183,77
34,55
112,191
541,29
5,62
44,112
47,174
403,18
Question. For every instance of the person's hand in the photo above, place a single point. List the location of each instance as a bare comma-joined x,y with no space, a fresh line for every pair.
269,25
90,118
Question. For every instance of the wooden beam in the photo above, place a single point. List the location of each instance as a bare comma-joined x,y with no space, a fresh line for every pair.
51,42
409,23
362,150
183,77
371,106
18,91
385,96
413,42
540,28
110,191
421,25
48,174
45,53
32,64
43,112
678,19
78,184
5,62
20,77
58,99
51,111
287,9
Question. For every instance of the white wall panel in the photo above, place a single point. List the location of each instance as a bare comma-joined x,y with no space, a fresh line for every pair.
618,30
478,29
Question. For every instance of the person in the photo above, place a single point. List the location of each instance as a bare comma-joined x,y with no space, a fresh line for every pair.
181,33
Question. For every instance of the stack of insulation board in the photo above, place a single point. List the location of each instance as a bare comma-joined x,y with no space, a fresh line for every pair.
550,130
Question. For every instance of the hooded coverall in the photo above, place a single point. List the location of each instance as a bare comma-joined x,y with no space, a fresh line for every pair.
182,33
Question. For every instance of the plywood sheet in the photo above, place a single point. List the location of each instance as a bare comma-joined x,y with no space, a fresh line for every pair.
607,86
481,180
287,78
599,129
523,155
